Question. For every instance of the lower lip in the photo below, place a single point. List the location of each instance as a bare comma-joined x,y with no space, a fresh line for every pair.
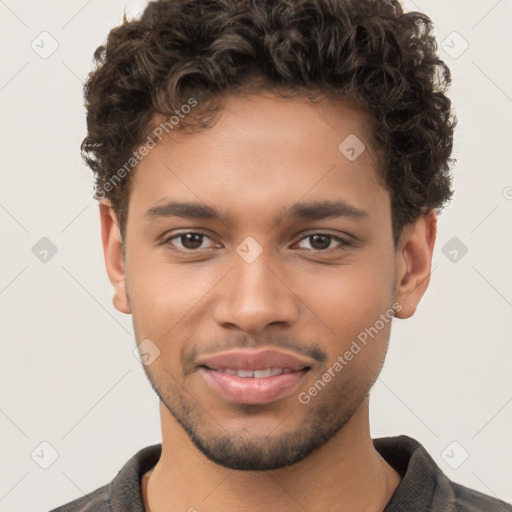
252,390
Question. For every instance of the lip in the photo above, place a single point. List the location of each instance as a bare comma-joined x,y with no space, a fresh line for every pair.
253,390
255,360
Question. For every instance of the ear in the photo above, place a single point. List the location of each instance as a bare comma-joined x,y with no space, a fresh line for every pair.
113,253
413,262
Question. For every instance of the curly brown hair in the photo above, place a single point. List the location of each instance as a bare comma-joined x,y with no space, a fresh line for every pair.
369,53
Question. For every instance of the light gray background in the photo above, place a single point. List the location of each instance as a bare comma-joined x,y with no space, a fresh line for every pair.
68,374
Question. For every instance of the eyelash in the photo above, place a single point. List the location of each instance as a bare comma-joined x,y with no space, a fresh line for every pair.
343,241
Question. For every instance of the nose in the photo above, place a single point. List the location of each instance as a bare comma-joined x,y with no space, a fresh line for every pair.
253,296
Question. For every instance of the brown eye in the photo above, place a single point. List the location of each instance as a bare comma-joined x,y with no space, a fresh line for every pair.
189,241
322,242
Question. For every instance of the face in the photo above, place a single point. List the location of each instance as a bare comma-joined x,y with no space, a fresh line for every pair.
259,245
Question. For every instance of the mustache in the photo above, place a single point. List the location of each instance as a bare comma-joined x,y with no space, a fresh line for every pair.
190,353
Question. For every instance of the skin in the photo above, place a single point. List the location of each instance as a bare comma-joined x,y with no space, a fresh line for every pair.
263,155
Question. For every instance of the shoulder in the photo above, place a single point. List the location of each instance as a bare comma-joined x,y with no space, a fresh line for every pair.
424,487
96,501
469,500
123,493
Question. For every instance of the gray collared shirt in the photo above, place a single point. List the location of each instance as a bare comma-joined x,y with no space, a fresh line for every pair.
424,487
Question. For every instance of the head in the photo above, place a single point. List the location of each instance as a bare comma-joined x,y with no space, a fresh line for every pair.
269,175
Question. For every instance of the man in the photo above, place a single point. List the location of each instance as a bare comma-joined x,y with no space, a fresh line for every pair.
269,174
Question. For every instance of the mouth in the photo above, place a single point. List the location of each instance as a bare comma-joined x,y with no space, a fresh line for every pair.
253,374
254,377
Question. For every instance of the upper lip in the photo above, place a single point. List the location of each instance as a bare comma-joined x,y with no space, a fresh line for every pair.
252,360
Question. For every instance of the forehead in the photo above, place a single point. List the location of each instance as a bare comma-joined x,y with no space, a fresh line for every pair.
262,153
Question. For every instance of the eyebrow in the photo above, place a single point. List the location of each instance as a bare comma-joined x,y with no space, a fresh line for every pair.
315,210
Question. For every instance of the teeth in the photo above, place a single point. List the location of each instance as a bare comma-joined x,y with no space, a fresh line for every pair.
258,374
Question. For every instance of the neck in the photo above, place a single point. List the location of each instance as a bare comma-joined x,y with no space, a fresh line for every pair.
347,470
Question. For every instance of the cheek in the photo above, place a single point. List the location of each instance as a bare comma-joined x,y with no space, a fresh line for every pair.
164,297
347,298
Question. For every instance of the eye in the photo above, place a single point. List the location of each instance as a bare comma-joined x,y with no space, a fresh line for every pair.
322,241
188,241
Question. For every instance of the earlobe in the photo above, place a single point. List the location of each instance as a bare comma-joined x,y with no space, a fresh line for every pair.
113,254
414,261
